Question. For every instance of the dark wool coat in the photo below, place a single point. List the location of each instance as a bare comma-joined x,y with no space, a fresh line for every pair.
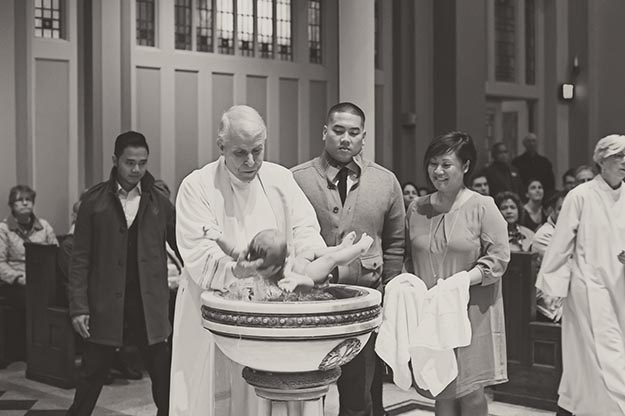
97,278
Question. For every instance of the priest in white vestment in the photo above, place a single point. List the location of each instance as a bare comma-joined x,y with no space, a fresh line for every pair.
241,195
584,266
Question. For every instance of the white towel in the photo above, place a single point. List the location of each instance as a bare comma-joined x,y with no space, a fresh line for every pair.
422,327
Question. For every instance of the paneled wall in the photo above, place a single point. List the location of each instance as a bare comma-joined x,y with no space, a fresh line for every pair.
177,97
41,142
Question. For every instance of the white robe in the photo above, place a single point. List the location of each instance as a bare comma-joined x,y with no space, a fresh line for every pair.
591,229
202,378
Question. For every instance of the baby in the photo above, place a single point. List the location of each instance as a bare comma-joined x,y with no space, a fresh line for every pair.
277,274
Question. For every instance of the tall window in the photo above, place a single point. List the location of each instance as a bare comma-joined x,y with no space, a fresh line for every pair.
264,24
284,39
145,22
50,19
225,27
505,40
204,29
250,28
184,24
314,31
245,27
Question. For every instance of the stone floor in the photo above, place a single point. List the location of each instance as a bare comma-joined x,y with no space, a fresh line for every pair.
22,397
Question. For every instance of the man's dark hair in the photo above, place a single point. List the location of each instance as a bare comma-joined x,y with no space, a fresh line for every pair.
346,107
130,139
494,149
456,142
570,172
481,173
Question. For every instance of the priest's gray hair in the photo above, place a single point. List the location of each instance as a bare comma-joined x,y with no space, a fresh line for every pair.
243,121
608,146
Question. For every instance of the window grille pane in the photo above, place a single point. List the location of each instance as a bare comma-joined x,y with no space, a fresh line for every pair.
505,40
530,42
314,31
183,24
225,27
50,19
245,27
284,39
204,30
264,23
145,22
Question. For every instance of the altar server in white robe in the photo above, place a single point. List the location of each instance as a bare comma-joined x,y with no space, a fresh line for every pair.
241,195
584,267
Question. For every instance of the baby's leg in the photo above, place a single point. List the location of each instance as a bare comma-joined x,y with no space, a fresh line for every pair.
319,269
347,241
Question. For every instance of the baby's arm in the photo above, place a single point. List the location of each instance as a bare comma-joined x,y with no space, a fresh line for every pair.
213,232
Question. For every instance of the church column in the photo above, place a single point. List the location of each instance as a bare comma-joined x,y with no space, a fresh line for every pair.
460,68
356,61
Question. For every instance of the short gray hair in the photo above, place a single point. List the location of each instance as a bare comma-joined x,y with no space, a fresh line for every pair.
241,119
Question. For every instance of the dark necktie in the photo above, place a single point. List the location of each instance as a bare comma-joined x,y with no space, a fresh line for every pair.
343,184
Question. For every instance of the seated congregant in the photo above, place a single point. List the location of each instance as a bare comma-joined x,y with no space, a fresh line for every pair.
519,237
19,227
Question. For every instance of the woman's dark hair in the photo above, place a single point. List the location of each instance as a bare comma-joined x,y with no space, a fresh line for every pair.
21,190
409,183
501,197
456,142
130,139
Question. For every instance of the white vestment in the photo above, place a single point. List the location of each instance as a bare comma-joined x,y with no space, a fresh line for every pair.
202,379
591,229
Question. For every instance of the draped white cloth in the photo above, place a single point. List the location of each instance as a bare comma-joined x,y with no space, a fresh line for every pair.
581,264
212,195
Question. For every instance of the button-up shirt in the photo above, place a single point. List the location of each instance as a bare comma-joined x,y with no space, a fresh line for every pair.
130,202
354,168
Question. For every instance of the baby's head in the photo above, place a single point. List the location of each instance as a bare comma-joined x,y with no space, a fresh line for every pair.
269,245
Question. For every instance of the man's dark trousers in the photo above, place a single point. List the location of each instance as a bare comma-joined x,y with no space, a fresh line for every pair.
97,359
355,382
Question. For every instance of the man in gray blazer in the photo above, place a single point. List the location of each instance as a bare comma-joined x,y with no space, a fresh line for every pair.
350,193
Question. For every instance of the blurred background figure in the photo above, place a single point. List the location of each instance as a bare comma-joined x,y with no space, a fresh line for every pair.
532,165
410,192
568,180
584,173
519,237
533,216
501,175
479,183
423,191
543,234
19,227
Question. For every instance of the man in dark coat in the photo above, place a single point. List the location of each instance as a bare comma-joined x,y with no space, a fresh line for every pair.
500,174
531,165
118,292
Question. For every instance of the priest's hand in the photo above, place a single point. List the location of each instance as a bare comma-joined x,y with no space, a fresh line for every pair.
246,268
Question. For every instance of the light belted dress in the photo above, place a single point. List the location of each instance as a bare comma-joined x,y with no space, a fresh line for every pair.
212,195
581,265
439,245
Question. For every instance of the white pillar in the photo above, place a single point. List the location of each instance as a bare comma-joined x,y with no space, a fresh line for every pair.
356,62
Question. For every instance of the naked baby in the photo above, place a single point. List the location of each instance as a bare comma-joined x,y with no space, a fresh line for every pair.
280,275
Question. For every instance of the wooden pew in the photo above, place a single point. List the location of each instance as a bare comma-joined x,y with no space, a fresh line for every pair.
533,346
50,338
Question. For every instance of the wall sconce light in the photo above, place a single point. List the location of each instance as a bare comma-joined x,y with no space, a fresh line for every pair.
567,91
